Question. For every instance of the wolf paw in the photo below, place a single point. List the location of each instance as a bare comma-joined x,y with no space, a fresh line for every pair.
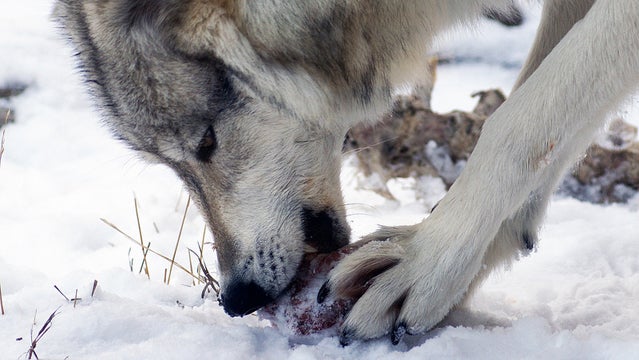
406,280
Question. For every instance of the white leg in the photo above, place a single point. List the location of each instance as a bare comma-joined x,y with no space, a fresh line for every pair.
518,234
529,140
558,17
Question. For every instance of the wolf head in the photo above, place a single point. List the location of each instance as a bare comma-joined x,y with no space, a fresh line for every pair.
183,90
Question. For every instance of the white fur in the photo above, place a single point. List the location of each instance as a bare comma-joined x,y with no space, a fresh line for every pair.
525,147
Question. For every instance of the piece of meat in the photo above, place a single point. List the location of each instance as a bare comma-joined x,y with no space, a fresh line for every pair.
296,312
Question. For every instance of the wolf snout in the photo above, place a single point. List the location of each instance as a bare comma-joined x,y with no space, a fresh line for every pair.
243,298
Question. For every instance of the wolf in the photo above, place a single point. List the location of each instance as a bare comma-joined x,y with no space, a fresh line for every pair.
249,102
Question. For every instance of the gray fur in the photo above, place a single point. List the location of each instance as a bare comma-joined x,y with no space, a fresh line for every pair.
249,101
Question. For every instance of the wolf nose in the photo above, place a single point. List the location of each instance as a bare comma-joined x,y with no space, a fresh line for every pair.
243,298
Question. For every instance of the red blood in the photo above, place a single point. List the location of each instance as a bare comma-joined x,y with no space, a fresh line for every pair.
297,312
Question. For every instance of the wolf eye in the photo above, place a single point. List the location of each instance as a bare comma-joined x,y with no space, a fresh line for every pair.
207,145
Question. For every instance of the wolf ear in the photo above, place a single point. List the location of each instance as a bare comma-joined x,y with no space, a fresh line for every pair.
207,145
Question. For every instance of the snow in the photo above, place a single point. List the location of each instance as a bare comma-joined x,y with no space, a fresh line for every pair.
575,297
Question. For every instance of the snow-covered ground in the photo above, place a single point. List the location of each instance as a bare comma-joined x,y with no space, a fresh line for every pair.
575,298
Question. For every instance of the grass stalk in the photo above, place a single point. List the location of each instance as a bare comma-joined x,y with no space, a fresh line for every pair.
43,330
177,243
1,302
95,286
137,217
191,265
146,252
6,121
201,248
128,237
208,280
61,293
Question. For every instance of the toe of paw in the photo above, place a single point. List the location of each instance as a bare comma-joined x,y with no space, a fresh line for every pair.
529,241
358,271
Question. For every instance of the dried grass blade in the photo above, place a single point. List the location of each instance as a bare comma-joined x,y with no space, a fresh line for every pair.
201,248
95,285
177,243
1,301
6,120
43,330
150,250
137,217
208,280
61,293
190,268
47,325
76,299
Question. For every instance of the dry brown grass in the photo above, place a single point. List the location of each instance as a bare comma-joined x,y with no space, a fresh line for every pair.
6,120
199,274
31,353
127,236
1,301
61,293
95,286
74,299
209,281
144,252
177,243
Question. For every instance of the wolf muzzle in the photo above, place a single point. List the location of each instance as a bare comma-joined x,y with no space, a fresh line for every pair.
243,298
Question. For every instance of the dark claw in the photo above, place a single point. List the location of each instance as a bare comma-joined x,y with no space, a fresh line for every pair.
528,241
323,293
346,337
398,333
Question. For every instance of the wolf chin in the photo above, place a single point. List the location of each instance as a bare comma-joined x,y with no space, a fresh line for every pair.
249,102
